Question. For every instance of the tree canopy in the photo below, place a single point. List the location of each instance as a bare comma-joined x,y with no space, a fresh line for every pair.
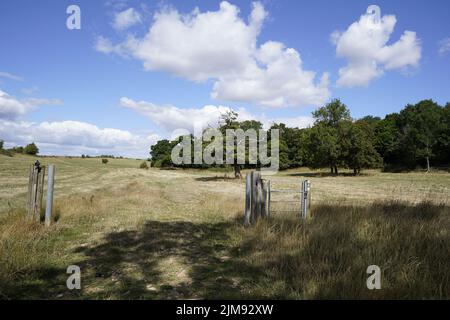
417,136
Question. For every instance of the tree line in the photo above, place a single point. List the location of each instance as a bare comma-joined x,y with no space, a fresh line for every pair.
416,137
30,149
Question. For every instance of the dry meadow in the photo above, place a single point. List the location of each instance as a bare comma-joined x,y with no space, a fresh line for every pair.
178,234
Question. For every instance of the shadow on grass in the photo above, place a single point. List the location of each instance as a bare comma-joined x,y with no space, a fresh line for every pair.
215,269
217,178
326,174
281,257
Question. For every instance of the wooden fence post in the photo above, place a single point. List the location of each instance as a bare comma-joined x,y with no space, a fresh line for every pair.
248,199
268,198
257,198
29,194
264,198
39,194
35,192
49,205
254,202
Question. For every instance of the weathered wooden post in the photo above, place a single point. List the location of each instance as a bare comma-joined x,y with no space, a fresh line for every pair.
39,193
35,191
248,199
264,184
50,184
257,198
254,192
30,192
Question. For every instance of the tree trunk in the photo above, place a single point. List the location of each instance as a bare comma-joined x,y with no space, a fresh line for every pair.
428,164
237,171
335,170
332,169
355,171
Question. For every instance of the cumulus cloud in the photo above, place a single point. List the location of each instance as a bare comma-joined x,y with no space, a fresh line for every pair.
364,46
126,18
75,138
444,46
222,46
174,119
282,82
11,107
171,118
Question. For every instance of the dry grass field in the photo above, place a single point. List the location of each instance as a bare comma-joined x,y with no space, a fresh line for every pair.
178,234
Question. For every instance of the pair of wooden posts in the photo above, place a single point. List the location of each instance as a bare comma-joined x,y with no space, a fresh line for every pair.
36,191
257,198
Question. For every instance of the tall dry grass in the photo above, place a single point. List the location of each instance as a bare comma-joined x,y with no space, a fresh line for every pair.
327,256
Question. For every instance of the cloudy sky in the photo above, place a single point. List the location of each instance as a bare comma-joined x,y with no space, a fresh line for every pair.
138,70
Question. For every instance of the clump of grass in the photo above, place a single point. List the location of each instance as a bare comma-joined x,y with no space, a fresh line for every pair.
24,248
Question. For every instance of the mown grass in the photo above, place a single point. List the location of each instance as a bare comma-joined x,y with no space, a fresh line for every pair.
157,234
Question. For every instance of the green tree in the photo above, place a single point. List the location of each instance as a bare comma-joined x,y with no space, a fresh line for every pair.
420,125
229,121
332,113
357,145
31,149
324,144
161,153
442,147
324,148
387,138
284,150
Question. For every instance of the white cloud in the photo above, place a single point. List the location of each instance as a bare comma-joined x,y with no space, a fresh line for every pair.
282,82
10,76
75,138
222,46
126,18
104,45
364,46
174,119
11,107
292,122
171,118
444,46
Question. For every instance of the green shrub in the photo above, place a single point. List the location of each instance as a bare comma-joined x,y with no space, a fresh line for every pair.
143,165
104,161
31,149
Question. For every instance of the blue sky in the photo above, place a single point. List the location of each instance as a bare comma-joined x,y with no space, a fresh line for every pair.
96,91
